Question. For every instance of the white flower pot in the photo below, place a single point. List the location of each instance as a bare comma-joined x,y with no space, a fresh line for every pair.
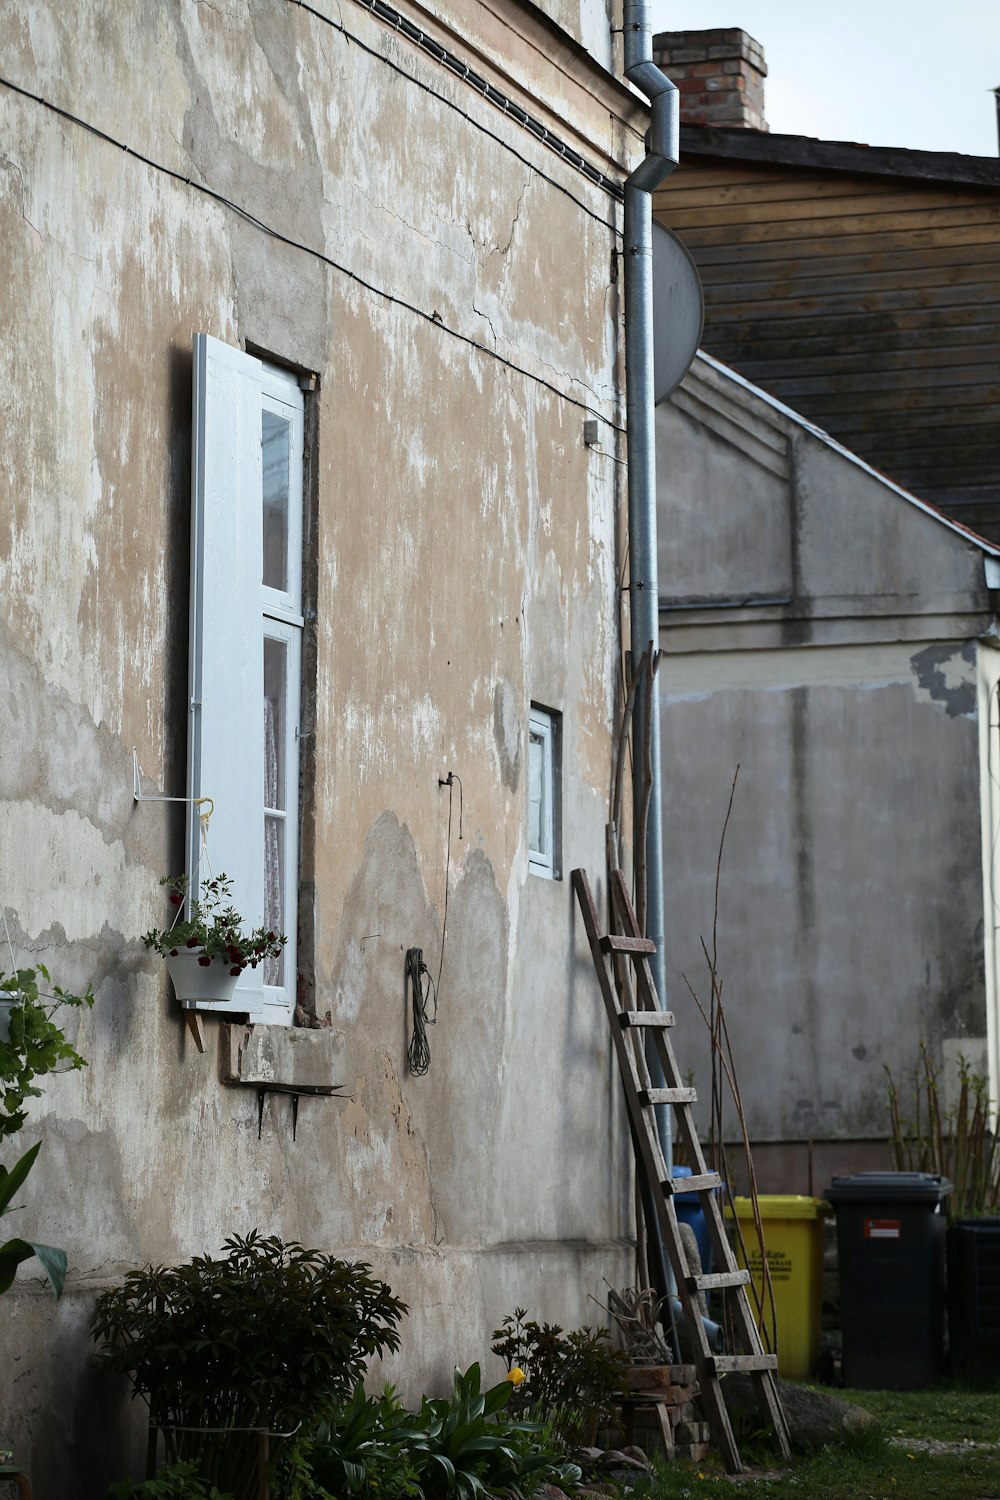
210,983
6,1006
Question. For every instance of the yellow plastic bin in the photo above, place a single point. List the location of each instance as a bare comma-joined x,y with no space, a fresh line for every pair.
793,1236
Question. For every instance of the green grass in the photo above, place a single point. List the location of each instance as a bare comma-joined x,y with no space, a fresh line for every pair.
947,1411
867,1465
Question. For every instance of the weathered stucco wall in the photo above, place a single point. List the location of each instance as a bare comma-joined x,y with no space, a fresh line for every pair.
451,285
821,634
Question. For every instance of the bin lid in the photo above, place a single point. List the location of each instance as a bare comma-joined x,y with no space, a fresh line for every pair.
889,1187
781,1206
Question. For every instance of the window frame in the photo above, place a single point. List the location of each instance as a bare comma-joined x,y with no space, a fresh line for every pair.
233,612
544,727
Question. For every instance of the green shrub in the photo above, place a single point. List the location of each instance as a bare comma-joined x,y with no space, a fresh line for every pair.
269,1335
177,1482
460,1447
37,1044
571,1380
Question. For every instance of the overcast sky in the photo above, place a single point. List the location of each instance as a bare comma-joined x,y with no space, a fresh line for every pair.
886,72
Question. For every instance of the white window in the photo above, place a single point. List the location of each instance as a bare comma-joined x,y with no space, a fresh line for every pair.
246,648
543,792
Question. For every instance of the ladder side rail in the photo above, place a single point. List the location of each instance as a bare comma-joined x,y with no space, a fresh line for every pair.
744,1323
653,1165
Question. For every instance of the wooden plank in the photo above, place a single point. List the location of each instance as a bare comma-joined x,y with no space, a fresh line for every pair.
754,230
646,1017
913,247
725,1364
775,279
822,357
689,189
705,1182
613,942
668,1096
718,1280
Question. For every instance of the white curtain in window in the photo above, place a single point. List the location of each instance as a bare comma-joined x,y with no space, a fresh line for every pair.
273,905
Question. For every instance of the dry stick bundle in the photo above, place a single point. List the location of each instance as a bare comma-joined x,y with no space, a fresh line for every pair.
960,1144
724,1069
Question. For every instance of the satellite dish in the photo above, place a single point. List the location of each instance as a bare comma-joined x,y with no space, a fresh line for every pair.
678,311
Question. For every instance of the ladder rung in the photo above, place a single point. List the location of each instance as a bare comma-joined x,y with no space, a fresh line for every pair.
714,1280
724,1364
615,943
646,1017
703,1184
668,1096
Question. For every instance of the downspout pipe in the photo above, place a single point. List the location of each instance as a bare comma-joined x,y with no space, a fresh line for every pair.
662,155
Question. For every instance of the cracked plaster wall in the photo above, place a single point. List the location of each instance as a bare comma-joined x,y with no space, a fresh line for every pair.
465,555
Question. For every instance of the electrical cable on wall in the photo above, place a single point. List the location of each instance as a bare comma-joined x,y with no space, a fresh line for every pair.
420,986
449,782
419,1053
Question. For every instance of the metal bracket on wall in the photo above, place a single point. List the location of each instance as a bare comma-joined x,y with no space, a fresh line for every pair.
296,1090
140,796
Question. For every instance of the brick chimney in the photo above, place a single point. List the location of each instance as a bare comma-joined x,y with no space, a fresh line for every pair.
720,75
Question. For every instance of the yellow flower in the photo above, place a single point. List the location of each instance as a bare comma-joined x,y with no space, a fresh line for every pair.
516,1375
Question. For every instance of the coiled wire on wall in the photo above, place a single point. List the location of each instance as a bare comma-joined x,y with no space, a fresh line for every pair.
421,988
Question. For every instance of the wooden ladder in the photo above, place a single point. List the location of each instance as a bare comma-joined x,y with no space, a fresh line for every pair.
631,1030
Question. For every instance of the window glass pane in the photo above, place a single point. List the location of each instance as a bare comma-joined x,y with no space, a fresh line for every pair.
536,793
274,892
275,722
275,439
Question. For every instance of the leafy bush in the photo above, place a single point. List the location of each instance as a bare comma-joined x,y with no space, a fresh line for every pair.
37,1044
455,1448
571,1379
13,1252
269,1336
177,1482
362,1449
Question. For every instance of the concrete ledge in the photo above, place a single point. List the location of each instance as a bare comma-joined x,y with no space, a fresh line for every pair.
286,1057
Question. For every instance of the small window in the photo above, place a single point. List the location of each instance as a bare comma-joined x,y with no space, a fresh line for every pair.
543,792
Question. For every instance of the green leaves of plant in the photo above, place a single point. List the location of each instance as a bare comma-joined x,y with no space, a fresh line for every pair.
269,1327
14,1251
37,1043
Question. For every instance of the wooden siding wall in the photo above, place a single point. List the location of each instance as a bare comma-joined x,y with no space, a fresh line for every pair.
869,304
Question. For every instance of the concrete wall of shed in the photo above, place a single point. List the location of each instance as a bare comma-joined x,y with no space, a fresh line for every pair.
465,557
821,635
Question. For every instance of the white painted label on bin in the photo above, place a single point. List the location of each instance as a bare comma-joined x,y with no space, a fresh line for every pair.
881,1229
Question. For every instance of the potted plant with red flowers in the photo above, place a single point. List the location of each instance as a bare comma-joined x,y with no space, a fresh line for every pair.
205,947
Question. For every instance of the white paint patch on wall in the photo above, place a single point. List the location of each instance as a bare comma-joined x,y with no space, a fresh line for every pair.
364,1159
66,872
862,666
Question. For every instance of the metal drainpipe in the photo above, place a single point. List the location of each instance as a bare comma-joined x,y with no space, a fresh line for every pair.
662,154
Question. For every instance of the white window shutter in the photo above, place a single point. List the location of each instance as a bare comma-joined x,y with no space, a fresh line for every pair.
226,716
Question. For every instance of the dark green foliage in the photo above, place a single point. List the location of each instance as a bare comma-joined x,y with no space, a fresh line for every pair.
571,1379
360,1450
14,1251
460,1447
177,1482
269,1335
37,1045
